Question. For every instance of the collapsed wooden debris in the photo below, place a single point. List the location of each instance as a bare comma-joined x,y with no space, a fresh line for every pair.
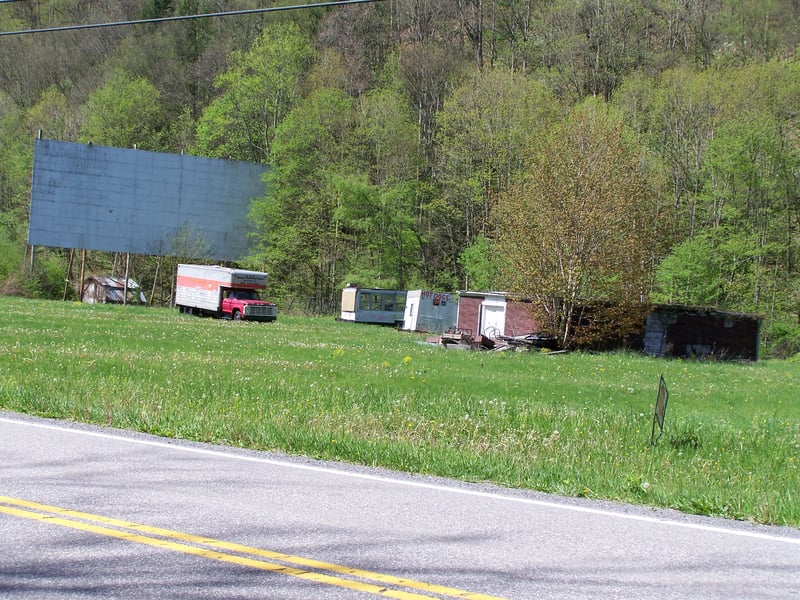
530,341
464,340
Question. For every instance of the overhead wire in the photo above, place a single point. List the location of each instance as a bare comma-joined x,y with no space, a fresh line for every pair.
182,17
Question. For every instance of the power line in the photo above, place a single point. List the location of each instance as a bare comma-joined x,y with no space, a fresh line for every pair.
184,17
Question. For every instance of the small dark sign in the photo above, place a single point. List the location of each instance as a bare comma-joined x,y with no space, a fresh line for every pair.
660,410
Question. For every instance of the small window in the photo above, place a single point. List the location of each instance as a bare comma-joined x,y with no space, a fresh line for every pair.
363,301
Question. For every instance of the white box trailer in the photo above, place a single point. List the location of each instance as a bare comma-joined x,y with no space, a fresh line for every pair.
430,312
223,292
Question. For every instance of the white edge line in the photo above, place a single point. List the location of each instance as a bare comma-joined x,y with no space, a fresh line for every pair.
417,484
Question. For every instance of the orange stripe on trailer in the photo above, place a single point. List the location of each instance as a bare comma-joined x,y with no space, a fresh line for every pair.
197,282
210,284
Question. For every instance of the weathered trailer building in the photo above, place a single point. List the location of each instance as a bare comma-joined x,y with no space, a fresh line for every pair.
373,305
430,312
684,331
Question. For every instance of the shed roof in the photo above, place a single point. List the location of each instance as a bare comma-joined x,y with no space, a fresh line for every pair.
112,282
707,312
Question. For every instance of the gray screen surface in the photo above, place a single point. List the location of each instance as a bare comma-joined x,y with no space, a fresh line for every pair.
120,200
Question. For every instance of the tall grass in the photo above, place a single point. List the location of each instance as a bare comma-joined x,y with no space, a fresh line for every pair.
576,424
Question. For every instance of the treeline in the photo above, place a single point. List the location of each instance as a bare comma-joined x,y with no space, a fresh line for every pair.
575,151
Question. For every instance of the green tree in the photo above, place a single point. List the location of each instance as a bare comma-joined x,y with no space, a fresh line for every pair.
255,94
678,115
614,42
125,113
727,140
194,35
690,274
587,47
427,71
298,241
757,31
389,144
513,29
376,226
749,203
54,116
479,264
16,156
360,37
484,129
579,227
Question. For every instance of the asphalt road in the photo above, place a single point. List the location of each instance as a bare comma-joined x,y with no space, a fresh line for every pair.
88,512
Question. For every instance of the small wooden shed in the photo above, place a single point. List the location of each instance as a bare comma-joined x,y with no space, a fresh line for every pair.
102,289
685,331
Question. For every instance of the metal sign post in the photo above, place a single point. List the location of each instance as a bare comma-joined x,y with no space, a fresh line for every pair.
660,411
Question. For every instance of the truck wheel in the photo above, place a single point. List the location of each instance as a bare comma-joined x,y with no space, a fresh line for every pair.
237,316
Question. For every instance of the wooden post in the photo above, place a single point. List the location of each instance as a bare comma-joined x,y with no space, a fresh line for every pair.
83,267
172,284
69,272
155,279
125,285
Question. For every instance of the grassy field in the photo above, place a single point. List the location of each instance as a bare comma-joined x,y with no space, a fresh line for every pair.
572,424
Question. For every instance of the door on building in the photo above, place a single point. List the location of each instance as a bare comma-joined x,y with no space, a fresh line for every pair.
493,317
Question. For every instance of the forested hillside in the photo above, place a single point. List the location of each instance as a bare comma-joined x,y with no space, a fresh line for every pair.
576,151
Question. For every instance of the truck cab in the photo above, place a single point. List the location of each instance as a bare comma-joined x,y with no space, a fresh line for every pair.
238,304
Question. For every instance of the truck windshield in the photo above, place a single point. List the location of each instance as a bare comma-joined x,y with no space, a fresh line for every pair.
244,294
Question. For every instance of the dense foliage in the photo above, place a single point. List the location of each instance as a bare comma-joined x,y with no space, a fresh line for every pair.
438,144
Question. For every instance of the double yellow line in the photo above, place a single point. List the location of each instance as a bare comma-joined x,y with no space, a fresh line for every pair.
228,552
